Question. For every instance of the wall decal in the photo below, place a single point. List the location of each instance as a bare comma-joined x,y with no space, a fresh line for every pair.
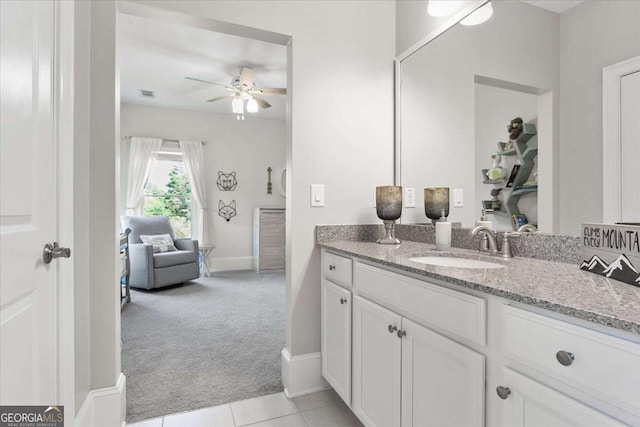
227,181
269,185
612,251
227,211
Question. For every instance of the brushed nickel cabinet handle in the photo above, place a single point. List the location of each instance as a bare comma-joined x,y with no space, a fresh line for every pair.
503,392
565,358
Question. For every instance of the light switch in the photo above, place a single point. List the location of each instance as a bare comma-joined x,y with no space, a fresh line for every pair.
458,199
317,195
409,197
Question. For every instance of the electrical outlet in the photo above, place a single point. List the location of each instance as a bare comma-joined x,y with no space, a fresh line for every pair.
409,197
458,199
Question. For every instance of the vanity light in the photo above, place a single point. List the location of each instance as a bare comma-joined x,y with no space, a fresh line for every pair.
252,106
442,7
479,15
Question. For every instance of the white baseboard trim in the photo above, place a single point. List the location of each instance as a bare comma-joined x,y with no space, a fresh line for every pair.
302,374
104,407
230,263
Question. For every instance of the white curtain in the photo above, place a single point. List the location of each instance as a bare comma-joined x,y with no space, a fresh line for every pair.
142,154
194,164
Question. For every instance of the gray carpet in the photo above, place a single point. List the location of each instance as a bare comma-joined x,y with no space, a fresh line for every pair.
212,341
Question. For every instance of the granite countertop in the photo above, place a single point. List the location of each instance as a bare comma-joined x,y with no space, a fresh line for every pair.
555,286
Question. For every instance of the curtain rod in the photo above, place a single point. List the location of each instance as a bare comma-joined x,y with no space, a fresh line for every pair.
170,140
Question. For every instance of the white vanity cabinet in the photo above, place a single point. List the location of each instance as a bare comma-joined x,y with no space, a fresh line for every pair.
403,373
411,352
407,375
528,403
588,364
335,317
376,364
336,338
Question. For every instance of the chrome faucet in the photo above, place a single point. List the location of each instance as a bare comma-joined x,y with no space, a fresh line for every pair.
488,239
527,228
489,243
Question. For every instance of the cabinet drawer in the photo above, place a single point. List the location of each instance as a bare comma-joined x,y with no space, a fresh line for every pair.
603,366
455,312
336,268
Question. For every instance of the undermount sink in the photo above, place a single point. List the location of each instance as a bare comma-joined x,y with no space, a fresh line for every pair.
447,261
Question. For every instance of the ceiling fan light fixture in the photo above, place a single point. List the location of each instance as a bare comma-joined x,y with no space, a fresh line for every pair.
252,106
479,15
237,105
440,8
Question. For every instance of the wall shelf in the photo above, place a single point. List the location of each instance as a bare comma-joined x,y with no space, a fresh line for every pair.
526,151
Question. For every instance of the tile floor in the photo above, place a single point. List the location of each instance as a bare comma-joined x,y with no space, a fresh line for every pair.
324,408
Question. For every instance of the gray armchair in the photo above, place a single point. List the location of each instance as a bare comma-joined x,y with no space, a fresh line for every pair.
154,270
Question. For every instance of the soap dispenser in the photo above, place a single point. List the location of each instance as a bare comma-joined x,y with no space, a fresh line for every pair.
443,234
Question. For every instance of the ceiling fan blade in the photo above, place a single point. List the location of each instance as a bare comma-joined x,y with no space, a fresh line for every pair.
205,81
261,102
218,98
247,77
273,90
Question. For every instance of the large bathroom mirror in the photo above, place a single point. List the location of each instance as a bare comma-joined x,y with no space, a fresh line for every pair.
458,93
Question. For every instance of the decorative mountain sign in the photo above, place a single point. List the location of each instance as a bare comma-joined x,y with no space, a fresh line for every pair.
612,251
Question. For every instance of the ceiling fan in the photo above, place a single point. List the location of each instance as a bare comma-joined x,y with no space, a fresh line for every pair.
243,88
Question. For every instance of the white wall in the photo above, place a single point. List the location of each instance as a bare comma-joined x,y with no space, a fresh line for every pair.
494,109
438,131
96,128
247,147
593,35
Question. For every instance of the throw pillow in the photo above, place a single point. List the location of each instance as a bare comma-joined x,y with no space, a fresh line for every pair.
160,242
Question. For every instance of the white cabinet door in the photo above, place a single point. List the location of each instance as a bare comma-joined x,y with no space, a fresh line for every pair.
336,338
376,364
532,404
442,381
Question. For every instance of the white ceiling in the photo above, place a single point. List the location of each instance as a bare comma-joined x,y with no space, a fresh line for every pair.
158,56
557,6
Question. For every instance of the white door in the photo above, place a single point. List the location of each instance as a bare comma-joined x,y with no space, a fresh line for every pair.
336,338
28,296
630,147
531,404
442,381
376,364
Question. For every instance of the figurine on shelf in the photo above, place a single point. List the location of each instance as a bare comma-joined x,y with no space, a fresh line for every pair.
496,172
515,128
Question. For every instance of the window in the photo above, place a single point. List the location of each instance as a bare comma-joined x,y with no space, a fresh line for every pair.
168,192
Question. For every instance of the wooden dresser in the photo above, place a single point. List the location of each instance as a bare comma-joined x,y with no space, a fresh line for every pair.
268,239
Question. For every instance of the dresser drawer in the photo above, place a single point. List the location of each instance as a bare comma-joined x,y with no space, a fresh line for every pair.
336,268
601,365
455,312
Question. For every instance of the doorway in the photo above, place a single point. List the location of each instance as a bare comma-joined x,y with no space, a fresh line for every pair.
215,339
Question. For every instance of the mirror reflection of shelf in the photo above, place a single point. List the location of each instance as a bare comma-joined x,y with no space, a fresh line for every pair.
517,186
500,182
506,152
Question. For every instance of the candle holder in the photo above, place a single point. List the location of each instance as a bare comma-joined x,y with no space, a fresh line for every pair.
389,209
435,200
